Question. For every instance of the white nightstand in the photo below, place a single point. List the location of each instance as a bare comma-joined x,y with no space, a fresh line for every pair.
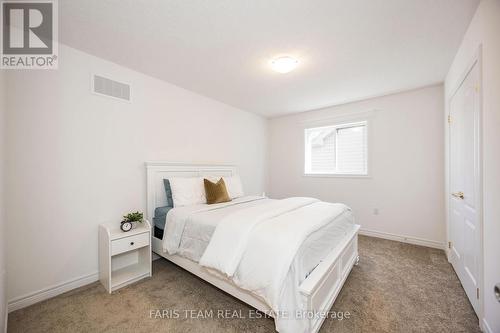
124,257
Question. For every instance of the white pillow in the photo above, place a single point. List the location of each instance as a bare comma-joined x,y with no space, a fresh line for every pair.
187,191
234,186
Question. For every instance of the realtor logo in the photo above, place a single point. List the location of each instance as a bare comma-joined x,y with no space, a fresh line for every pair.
29,34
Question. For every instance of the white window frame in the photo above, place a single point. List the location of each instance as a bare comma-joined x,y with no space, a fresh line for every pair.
336,125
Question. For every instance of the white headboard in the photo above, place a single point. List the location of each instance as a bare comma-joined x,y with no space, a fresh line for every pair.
157,171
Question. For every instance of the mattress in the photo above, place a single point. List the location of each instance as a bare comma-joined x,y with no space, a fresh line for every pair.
200,224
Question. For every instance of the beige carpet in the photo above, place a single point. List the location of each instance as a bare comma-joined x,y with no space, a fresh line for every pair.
395,288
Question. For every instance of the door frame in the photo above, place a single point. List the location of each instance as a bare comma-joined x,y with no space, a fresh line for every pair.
476,60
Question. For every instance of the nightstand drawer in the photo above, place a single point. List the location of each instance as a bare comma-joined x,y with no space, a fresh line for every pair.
129,243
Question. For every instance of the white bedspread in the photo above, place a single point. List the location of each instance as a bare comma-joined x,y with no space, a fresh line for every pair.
229,241
256,243
256,247
178,218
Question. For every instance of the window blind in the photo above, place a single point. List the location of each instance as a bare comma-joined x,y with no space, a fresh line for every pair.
339,149
351,149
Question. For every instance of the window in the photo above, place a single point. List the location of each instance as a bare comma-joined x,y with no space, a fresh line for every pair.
337,150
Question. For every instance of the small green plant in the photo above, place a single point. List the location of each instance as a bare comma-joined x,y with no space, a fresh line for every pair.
133,217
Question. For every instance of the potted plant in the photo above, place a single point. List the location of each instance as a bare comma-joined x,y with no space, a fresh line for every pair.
130,220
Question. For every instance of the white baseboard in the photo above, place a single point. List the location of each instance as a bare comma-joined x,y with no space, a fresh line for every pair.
3,305
486,327
403,239
46,293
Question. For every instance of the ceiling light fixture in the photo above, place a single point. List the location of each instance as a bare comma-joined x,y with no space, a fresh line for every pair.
284,64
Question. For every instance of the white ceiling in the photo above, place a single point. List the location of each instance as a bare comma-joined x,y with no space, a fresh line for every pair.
348,49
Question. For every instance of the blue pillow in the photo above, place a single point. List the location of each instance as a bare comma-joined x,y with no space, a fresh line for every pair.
168,192
160,216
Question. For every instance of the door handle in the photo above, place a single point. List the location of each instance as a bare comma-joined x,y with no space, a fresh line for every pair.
497,292
458,195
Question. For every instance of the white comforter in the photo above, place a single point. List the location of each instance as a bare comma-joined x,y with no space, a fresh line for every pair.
230,240
178,218
255,247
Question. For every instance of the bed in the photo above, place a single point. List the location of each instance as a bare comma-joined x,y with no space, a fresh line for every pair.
309,281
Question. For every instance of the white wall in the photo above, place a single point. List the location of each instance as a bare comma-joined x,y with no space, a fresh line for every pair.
3,275
406,183
485,30
76,159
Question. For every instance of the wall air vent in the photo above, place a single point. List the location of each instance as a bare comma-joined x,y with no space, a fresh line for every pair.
107,87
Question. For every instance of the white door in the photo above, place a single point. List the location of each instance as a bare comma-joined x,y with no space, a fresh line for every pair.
464,196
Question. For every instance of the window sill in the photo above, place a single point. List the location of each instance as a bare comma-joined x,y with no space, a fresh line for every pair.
335,175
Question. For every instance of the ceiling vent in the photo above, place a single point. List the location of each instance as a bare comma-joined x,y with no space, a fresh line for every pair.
107,87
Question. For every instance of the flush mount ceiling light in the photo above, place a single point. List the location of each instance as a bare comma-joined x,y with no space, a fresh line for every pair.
284,64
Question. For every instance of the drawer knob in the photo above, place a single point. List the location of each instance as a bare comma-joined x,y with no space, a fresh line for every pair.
131,243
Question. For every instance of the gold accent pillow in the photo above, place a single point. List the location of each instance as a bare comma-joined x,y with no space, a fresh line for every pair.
216,192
